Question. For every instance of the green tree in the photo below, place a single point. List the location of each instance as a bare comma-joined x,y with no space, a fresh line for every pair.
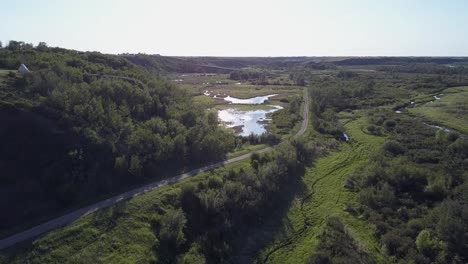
15,45
42,46
171,234
212,118
193,256
428,245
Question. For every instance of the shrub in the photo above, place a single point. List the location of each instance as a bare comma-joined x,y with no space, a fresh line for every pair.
394,147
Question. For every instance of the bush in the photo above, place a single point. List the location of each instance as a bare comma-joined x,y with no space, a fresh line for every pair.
389,124
452,136
337,246
394,147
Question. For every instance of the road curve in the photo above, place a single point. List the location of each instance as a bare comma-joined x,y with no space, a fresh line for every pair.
65,219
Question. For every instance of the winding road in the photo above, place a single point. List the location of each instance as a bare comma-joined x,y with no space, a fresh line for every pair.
70,217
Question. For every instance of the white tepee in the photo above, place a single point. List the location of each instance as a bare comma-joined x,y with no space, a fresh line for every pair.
23,69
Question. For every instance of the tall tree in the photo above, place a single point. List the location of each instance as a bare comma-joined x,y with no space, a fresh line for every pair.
42,46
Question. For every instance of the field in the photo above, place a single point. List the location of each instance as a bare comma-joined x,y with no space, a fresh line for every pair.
220,84
450,111
326,196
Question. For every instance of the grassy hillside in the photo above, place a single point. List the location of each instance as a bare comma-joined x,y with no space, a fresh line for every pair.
81,126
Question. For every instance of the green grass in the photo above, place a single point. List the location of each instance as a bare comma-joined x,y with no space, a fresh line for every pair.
119,234
244,149
326,196
204,100
451,111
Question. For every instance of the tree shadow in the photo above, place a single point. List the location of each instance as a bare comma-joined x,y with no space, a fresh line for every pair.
272,226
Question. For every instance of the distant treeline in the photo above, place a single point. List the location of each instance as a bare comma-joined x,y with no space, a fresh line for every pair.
398,60
249,75
425,68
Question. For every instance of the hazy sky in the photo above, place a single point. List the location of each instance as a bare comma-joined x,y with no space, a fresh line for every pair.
243,28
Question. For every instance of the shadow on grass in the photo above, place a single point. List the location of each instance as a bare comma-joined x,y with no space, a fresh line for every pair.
272,224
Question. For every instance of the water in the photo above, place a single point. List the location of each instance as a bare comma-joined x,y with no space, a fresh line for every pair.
234,100
253,100
248,119
439,127
346,137
245,122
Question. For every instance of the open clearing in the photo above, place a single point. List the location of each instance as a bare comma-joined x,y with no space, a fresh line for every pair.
450,111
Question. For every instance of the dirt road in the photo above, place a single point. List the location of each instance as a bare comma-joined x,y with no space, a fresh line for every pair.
70,217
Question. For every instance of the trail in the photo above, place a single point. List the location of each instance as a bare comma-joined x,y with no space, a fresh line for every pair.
70,217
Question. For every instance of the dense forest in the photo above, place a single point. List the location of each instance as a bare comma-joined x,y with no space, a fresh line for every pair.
88,124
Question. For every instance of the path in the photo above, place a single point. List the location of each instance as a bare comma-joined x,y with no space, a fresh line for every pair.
70,217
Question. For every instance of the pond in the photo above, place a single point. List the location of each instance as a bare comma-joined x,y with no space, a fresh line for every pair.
247,122
234,100
253,100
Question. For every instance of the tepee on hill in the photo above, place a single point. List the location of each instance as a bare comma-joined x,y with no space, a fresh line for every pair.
23,69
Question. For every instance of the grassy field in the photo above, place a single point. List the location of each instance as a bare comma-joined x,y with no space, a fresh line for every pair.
450,111
119,234
326,196
220,84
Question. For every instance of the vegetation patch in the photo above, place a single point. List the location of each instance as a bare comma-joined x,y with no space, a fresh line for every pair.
450,111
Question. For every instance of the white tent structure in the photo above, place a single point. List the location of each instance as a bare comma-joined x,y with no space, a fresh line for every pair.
23,69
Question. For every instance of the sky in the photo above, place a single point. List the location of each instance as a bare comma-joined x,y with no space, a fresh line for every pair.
242,27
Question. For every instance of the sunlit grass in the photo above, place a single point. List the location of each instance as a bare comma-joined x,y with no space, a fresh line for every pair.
450,111
326,196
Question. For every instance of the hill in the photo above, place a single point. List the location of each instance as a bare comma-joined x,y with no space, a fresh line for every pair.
83,125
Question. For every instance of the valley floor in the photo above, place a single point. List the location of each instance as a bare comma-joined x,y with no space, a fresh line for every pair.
326,196
451,110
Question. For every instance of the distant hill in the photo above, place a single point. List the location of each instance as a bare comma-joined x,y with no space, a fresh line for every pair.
398,60
160,64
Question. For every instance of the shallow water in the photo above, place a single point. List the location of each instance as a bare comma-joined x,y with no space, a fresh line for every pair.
253,100
234,100
346,137
248,119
